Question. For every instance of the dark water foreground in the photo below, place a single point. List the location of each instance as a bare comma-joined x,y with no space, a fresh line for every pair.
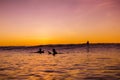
101,63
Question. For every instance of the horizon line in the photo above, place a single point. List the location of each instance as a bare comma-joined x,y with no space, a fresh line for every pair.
56,44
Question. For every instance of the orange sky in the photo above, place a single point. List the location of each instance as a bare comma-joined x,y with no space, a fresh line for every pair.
35,22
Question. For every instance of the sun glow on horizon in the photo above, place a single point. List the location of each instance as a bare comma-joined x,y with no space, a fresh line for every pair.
35,22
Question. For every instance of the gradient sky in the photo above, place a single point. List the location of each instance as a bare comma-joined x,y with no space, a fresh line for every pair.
33,22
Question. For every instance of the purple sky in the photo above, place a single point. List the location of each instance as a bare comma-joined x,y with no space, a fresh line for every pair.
30,22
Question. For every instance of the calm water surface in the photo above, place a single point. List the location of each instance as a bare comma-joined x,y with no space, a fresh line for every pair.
74,64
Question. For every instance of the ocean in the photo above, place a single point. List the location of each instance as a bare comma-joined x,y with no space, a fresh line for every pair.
76,62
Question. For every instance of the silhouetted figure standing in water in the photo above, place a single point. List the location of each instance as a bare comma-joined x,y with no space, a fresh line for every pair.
40,51
54,52
87,46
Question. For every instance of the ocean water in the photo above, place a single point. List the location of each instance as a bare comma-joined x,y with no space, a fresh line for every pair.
76,63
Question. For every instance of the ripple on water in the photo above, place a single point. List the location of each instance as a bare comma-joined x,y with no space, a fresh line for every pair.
30,75
8,68
117,74
94,78
112,67
3,75
105,77
36,75
53,71
103,58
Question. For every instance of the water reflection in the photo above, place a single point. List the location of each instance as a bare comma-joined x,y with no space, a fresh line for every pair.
98,64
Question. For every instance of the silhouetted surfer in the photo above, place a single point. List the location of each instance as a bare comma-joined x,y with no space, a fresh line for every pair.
88,45
40,51
54,52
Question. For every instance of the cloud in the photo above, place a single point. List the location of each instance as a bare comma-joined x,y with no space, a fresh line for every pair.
109,3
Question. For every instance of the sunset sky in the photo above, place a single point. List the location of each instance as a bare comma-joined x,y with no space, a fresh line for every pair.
35,22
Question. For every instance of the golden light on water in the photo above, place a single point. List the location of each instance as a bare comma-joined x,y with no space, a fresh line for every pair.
74,64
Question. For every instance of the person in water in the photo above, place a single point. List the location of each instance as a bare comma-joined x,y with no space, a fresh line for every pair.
54,52
88,43
87,46
40,51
